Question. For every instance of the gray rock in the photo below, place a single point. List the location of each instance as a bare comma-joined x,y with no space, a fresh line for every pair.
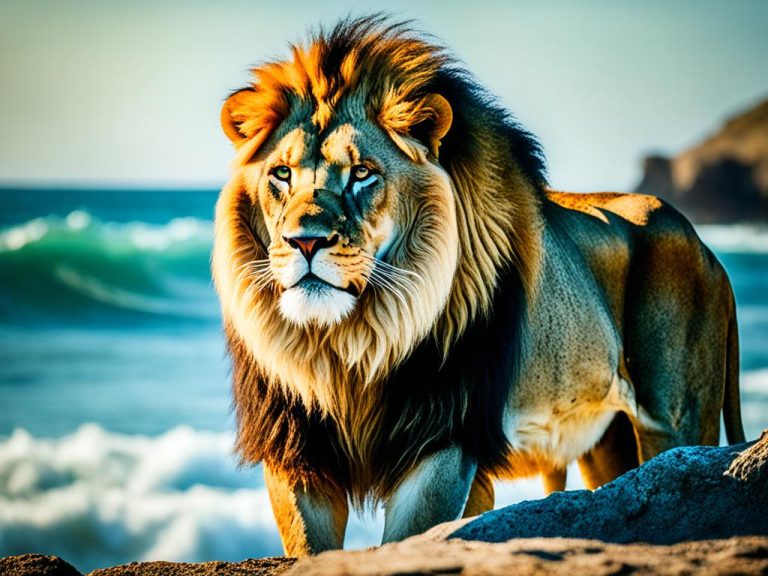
683,494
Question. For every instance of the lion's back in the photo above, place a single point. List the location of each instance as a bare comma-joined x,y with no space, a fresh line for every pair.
628,239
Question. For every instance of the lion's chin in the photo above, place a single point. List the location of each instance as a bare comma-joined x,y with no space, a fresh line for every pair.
319,304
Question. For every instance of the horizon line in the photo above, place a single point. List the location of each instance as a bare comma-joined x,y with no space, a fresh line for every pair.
96,185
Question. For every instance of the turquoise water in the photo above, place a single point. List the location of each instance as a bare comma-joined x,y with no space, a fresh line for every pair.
115,422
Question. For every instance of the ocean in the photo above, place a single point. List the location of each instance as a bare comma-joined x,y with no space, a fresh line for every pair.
116,432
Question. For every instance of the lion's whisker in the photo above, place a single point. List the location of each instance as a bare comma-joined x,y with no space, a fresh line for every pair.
392,268
385,284
402,281
399,283
254,264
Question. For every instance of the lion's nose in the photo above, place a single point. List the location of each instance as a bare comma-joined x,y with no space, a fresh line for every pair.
310,245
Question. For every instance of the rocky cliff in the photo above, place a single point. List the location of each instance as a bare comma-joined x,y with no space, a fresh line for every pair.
723,179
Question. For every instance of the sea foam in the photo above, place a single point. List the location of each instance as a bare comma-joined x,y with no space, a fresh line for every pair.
742,238
98,498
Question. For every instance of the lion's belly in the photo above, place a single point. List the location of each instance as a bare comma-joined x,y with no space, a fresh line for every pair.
550,436
542,441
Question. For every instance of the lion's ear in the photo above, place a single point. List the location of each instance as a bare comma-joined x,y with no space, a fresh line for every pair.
234,115
248,119
438,116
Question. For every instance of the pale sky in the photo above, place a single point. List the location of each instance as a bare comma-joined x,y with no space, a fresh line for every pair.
128,93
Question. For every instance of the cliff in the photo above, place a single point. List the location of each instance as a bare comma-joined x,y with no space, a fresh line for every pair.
723,179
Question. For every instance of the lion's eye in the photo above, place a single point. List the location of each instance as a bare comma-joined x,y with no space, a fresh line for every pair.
282,173
360,172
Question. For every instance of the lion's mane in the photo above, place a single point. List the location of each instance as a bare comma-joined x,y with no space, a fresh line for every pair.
403,395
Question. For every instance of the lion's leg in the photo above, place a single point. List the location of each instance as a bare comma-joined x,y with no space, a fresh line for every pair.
676,338
309,520
554,480
656,436
435,491
615,454
481,496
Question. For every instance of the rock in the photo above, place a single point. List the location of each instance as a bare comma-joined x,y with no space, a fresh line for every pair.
657,177
722,179
36,565
744,555
256,567
752,464
683,494
680,513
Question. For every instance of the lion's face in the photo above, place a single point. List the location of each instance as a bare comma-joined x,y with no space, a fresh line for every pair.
345,212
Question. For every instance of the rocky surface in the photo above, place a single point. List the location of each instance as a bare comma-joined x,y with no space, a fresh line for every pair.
722,179
690,510
741,555
253,567
683,494
746,555
36,565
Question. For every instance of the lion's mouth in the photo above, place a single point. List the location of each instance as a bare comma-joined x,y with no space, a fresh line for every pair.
315,285
312,300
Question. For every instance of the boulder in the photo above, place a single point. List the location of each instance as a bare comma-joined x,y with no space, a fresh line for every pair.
689,493
689,510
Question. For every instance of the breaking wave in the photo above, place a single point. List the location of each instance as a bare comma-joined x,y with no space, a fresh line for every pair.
98,499
77,267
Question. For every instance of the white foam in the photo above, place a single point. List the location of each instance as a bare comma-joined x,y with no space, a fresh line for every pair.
78,220
735,237
755,382
177,231
99,499
17,237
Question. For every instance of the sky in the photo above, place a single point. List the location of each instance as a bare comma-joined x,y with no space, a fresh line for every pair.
128,93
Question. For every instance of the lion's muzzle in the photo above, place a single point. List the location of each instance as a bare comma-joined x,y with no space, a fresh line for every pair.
315,258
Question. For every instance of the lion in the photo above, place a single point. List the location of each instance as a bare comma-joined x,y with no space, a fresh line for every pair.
412,313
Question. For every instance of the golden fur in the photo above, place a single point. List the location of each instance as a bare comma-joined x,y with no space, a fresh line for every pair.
461,303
